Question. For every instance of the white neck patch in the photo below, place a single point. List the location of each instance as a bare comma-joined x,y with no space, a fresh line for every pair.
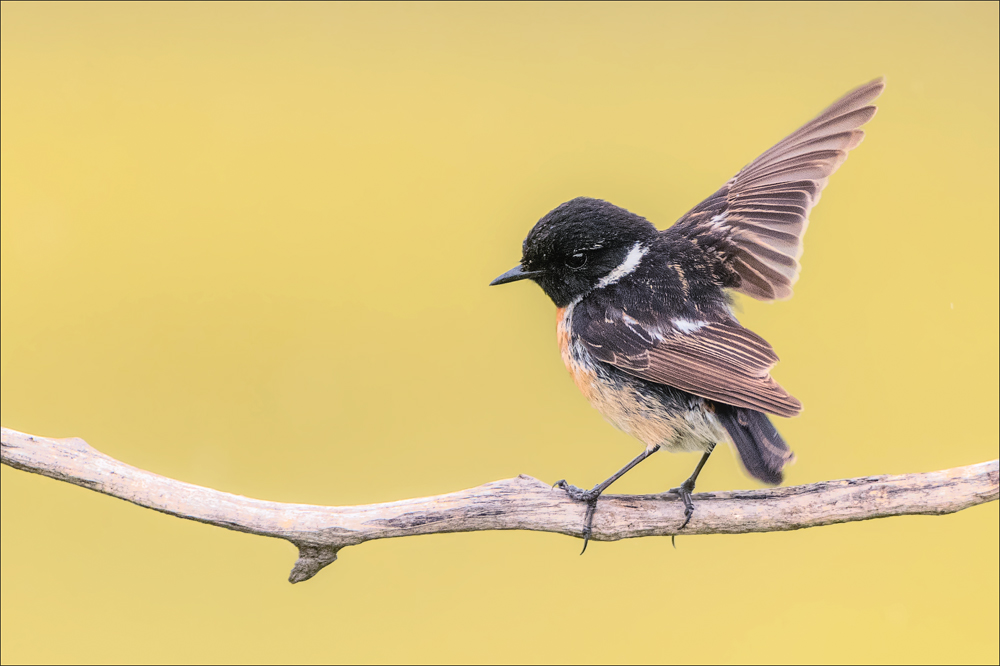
631,262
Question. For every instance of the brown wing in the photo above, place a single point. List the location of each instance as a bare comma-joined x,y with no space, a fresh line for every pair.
763,211
721,360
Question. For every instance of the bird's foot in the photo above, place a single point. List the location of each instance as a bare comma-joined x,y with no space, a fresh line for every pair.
578,494
684,490
581,495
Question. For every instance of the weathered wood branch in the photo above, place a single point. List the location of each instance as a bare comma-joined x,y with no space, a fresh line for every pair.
522,503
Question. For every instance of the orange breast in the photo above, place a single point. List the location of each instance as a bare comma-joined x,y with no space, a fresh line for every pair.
583,377
619,403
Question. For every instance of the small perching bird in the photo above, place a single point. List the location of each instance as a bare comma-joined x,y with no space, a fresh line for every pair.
645,325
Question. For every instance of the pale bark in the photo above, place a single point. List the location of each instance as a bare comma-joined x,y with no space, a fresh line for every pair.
521,503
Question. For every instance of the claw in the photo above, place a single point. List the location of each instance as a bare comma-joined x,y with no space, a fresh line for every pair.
688,509
578,494
581,495
685,492
590,496
587,522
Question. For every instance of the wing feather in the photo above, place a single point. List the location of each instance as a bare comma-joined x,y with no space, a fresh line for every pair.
720,361
762,213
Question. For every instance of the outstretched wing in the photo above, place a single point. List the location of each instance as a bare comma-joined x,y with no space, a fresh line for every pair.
761,214
718,360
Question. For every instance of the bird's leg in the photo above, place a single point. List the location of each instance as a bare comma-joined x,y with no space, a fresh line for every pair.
686,488
590,496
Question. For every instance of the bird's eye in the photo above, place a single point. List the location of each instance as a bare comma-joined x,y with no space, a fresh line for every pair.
577,261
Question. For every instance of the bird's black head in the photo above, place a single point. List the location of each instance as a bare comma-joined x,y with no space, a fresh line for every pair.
576,245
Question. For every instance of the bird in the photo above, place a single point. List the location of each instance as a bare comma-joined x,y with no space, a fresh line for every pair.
644,317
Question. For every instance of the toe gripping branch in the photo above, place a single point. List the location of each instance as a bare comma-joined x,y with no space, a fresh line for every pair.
580,495
591,496
685,490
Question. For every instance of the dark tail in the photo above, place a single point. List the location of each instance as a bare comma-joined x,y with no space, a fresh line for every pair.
761,448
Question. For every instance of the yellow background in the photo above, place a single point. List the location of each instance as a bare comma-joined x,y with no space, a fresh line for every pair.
248,246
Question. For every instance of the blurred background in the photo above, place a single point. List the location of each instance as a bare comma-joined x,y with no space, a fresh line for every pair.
248,246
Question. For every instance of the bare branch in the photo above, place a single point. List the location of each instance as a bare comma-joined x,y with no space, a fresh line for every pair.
521,503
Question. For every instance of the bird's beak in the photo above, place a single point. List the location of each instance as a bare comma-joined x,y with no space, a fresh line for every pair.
513,275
